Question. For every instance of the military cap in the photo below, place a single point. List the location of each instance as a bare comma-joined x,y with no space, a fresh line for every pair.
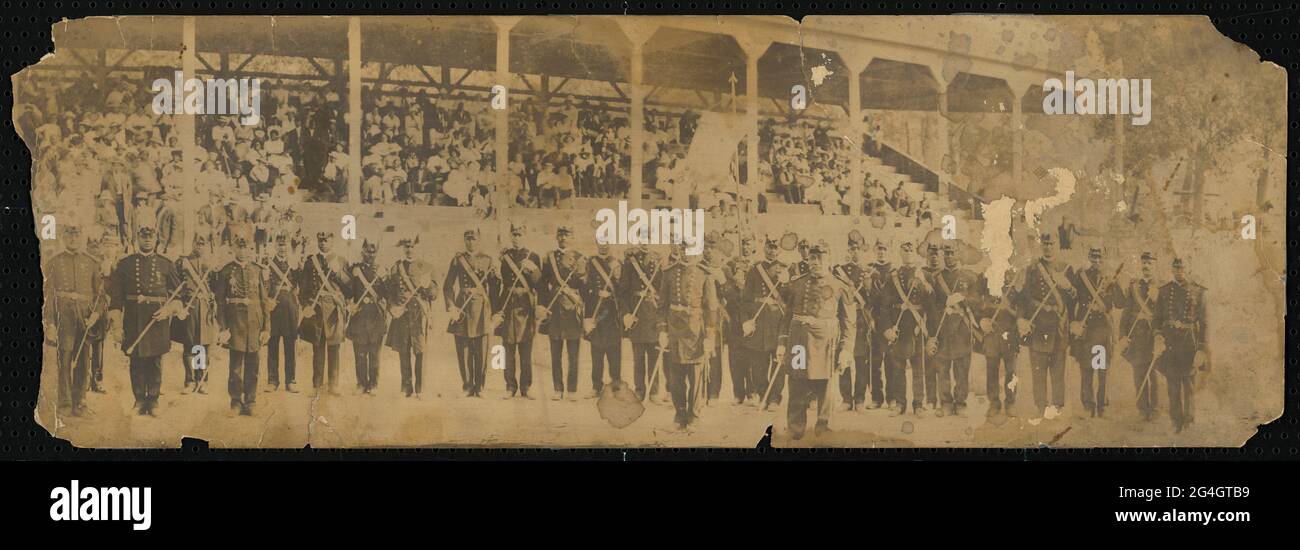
949,248
881,245
746,239
324,236
471,234
563,230
856,240
517,228
281,237
906,245
368,247
1046,238
241,235
1178,261
768,241
1148,255
931,247
820,247
1094,252
409,241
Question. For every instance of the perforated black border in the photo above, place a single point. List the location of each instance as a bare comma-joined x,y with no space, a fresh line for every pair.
1267,27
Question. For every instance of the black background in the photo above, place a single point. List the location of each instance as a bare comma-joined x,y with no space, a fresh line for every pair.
196,485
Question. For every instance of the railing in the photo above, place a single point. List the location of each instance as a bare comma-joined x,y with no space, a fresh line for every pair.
930,179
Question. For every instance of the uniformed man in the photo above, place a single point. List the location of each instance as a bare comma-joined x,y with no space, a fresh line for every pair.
954,332
74,296
712,264
857,277
602,324
468,289
1000,344
197,327
411,291
687,311
640,304
320,291
764,307
103,253
933,311
1043,306
286,313
821,326
800,267
732,297
899,305
561,316
881,274
367,317
143,286
1180,323
246,315
1137,335
516,308
1090,327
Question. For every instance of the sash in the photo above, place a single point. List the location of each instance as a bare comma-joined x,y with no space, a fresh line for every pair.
649,286
907,304
473,276
771,287
1092,291
1056,295
563,284
284,278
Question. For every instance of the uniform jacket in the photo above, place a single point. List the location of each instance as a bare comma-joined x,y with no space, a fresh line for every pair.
470,284
858,279
74,287
822,319
200,325
1056,298
604,312
281,278
1094,316
562,280
245,309
1137,322
139,286
764,281
408,330
367,325
953,332
517,301
323,278
1004,339
634,290
1180,318
688,310
893,292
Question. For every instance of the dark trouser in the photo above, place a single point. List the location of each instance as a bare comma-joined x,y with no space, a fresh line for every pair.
644,357
802,392
1094,398
146,381
318,365
95,348
1180,398
520,354
602,355
366,355
187,364
462,366
737,363
1144,373
764,371
954,381
557,364
878,371
411,365
853,385
931,369
995,385
243,378
1048,364
714,376
72,377
273,358
192,374
896,370
683,380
